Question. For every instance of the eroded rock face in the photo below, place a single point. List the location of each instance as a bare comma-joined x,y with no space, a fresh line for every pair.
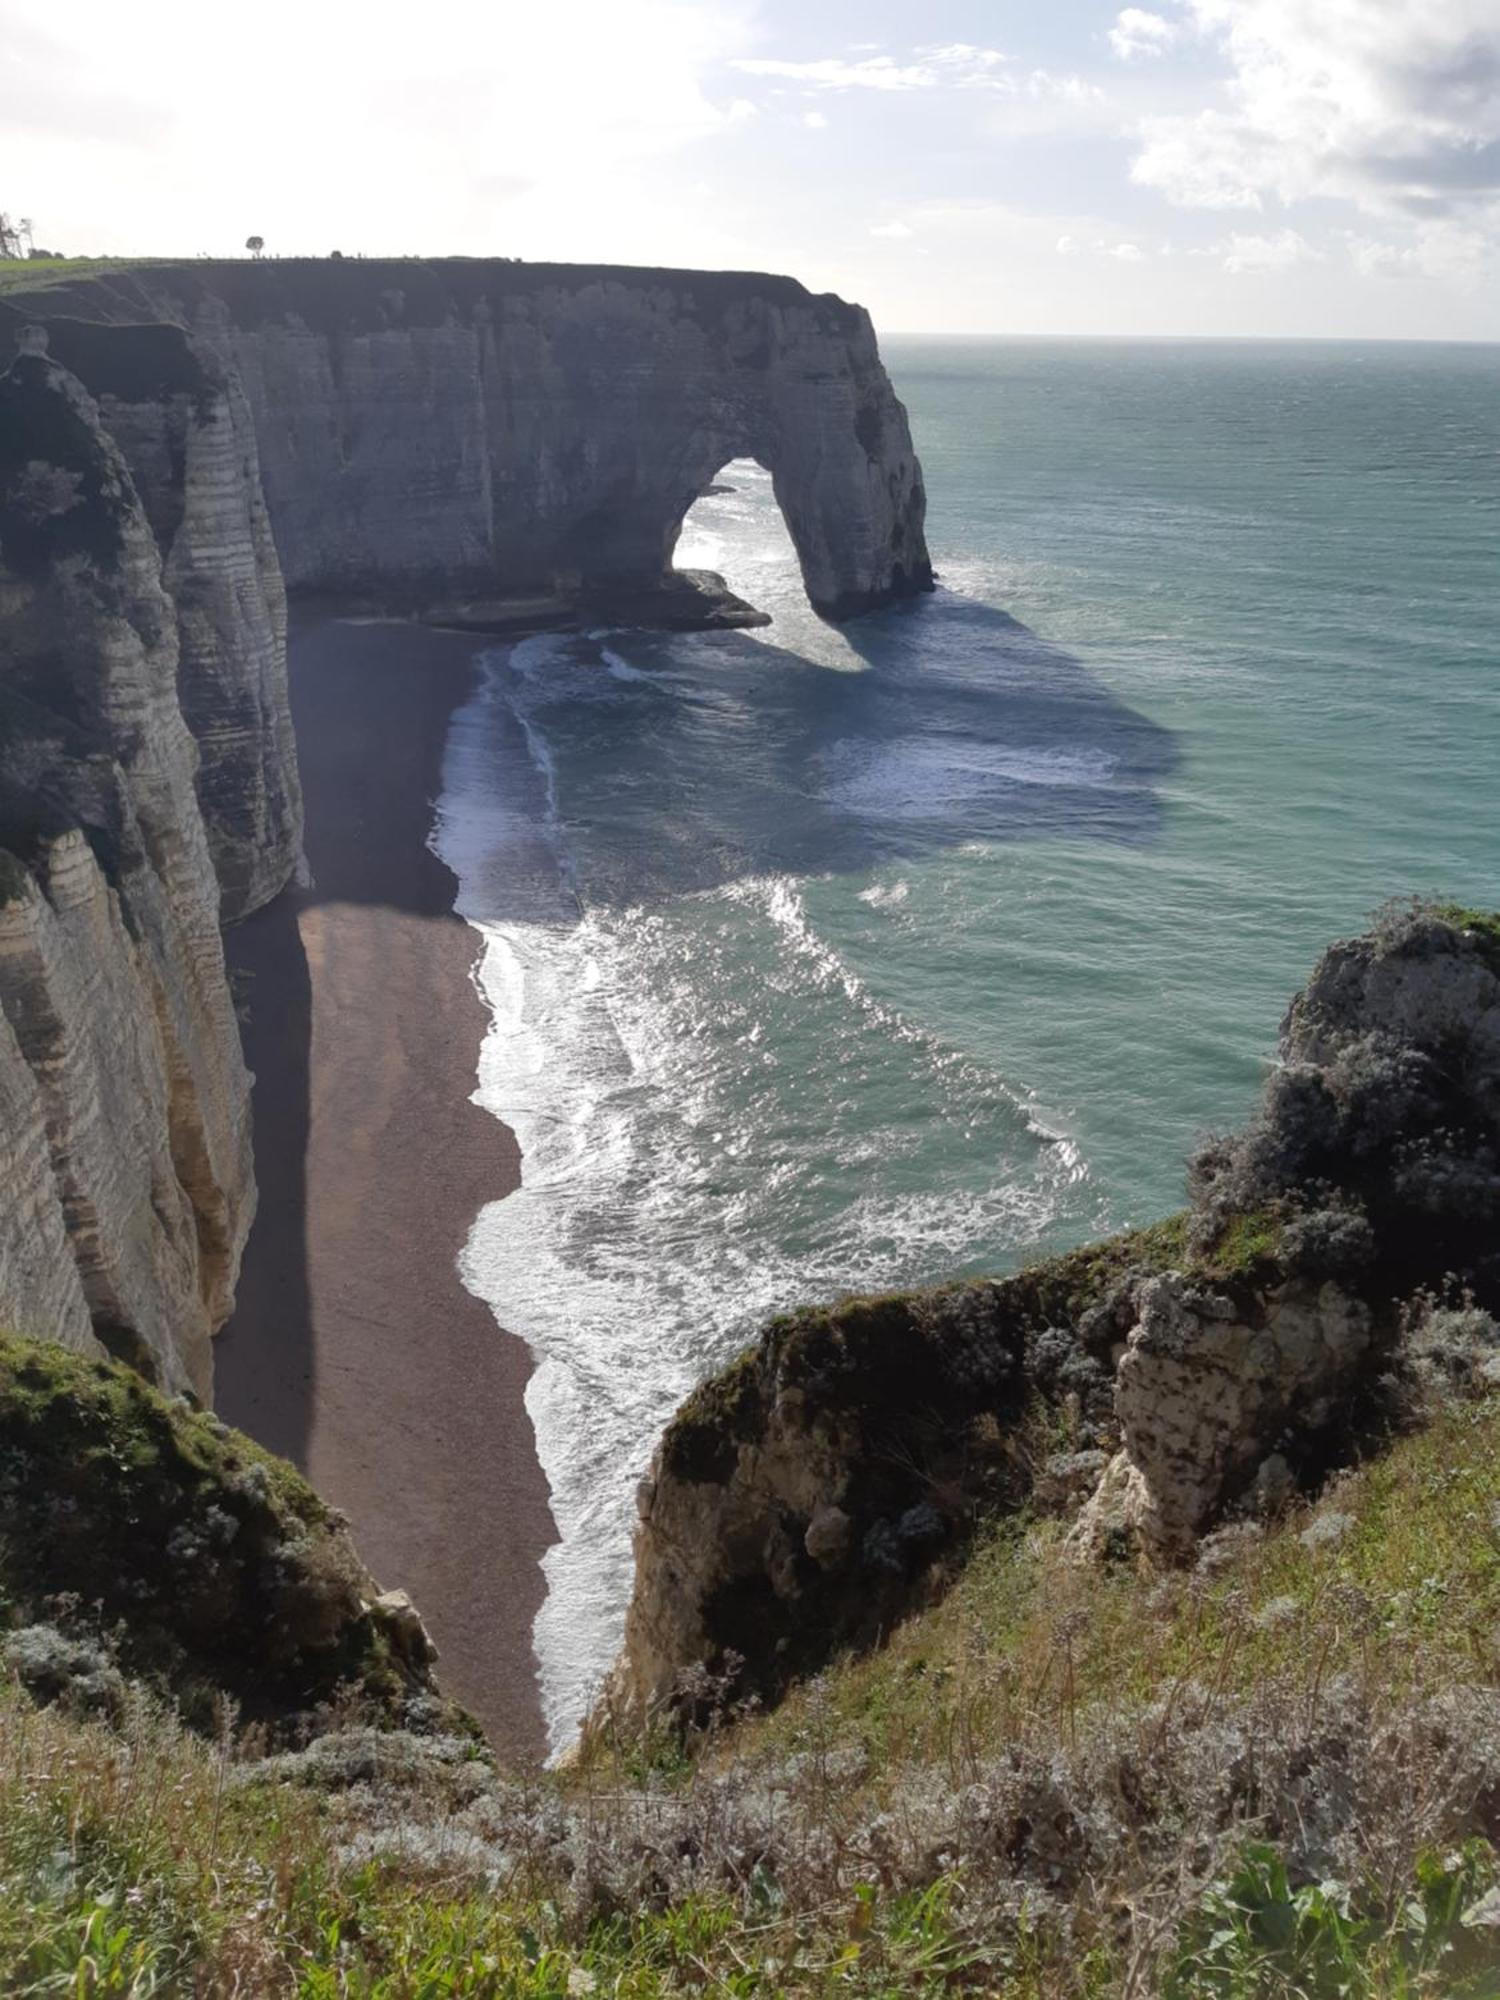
112,975
430,430
804,1500
194,461
1205,1386
39,1283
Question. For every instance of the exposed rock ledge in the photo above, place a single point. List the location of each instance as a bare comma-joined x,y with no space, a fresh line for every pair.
808,1497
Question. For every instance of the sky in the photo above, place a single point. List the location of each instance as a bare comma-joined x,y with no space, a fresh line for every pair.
1226,167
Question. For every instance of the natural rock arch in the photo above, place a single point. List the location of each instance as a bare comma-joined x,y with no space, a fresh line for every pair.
426,429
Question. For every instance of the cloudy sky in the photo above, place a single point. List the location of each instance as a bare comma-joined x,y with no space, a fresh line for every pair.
1028,166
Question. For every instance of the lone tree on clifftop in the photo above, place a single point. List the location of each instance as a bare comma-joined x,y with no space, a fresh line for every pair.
255,244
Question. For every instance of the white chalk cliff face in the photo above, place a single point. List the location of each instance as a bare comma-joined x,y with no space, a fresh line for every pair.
494,428
127,1169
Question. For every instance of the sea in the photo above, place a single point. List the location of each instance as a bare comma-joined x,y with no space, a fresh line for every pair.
825,959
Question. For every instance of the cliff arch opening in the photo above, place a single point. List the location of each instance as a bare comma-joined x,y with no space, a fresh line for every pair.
735,529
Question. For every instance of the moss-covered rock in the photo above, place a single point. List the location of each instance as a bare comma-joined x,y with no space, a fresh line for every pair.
212,1566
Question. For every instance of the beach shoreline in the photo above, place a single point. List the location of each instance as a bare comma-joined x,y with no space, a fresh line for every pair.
354,1348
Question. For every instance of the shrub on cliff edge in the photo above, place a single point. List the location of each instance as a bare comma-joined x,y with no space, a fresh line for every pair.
211,1566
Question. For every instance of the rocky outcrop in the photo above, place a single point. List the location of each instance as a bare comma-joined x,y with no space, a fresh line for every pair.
806,1499
1204,1389
430,430
112,977
1369,1174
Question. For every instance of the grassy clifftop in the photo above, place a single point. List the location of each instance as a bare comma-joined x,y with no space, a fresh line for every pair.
1275,1775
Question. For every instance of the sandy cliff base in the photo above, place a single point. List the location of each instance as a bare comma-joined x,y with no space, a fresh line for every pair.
354,1349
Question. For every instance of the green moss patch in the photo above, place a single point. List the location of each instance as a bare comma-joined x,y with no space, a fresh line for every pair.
1482,925
215,1564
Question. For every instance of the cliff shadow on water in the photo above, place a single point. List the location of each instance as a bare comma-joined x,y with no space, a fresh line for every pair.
671,766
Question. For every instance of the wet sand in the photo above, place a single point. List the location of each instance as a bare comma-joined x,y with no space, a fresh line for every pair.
354,1349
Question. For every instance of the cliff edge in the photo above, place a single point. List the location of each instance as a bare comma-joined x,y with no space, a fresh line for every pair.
126,1151
1208,1370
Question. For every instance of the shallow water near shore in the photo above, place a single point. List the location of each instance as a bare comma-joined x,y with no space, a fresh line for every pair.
825,959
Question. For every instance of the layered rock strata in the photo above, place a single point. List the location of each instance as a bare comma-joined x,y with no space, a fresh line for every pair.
177,412
430,431
121,1057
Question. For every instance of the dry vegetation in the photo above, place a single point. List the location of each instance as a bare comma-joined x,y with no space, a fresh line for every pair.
1276,1775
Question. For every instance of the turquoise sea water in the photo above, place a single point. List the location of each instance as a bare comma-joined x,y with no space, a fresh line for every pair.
824,959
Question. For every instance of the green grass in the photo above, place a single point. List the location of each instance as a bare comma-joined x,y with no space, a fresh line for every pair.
130,1864
1483,924
1249,1246
25,274
138,1858
1027,1638
224,1569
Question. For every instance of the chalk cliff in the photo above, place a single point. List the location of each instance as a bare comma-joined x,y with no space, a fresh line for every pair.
432,430
129,1182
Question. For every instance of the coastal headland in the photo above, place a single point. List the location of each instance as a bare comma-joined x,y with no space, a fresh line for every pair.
354,1348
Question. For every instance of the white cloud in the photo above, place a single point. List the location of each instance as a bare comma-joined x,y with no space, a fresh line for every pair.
519,118
815,121
1440,250
892,229
1069,87
952,65
1277,252
1139,33
1391,104
1067,246
1127,253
